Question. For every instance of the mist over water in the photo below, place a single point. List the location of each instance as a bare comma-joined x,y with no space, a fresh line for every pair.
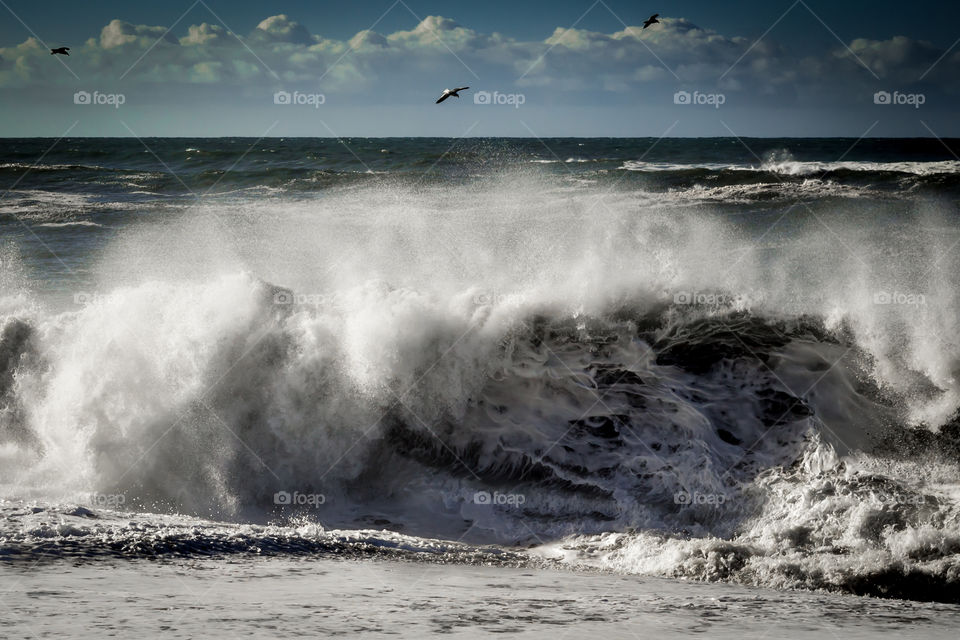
727,369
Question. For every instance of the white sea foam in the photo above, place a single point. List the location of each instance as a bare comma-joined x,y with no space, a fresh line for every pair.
72,223
398,356
790,167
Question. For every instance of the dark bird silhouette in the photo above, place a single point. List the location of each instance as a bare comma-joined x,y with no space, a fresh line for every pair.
451,92
62,51
651,20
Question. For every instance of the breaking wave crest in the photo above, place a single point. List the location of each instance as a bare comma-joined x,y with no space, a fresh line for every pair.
636,389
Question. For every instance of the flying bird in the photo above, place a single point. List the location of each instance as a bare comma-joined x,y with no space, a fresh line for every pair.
451,92
62,51
651,20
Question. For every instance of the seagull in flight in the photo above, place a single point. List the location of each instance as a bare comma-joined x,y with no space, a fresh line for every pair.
62,51
451,92
651,20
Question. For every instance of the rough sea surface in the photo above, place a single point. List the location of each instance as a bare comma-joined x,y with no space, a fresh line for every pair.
400,386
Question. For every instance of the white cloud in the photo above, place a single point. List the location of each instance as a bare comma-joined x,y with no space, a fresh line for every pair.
678,47
280,28
899,57
119,33
206,34
436,32
366,40
630,60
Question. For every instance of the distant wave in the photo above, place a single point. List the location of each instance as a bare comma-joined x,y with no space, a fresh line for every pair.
569,160
23,166
790,167
72,223
767,191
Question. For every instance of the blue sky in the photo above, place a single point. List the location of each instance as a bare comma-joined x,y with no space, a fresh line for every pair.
554,68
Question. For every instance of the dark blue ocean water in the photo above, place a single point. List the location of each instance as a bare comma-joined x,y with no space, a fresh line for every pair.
179,166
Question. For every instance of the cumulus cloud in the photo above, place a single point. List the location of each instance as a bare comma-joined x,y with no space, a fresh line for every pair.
436,32
631,60
22,62
282,29
899,56
119,33
368,40
678,50
205,34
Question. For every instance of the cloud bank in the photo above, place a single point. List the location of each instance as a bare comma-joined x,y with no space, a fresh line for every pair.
205,78
280,49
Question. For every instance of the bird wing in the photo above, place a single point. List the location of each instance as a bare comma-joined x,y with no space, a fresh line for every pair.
442,98
655,16
461,89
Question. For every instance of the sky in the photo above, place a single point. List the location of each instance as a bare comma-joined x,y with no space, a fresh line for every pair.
534,68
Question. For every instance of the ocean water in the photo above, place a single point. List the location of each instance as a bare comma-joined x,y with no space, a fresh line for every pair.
667,385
